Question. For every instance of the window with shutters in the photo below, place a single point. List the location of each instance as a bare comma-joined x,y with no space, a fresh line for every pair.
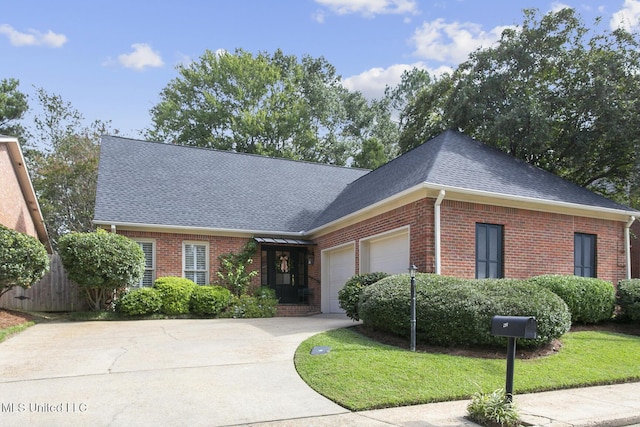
489,251
195,262
584,255
149,249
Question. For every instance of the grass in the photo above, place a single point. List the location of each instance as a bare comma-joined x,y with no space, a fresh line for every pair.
11,330
359,373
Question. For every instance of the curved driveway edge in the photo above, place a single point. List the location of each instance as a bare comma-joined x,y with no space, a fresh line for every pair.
191,372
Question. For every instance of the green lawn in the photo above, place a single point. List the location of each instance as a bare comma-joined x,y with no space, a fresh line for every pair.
359,373
7,332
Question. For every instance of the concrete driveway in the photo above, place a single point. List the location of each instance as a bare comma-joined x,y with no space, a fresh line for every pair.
160,372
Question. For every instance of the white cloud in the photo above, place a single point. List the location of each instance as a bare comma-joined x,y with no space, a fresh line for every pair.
558,6
33,37
141,57
371,83
628,17
452,42
369,8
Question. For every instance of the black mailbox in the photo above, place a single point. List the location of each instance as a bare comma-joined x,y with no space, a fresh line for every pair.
514,326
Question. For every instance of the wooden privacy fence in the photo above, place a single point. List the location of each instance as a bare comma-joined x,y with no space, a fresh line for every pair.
55,292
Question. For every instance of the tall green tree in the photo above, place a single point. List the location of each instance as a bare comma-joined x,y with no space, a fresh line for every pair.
65,171
13,106
552,92
275,105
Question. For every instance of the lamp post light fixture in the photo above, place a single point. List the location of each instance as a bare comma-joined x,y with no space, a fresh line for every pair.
412,273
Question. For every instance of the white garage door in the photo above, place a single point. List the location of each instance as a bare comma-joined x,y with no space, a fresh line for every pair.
389,254
338,265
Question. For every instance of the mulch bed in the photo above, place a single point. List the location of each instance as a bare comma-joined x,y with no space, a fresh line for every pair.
494,352
13,318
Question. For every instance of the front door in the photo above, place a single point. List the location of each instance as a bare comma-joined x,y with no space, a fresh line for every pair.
284,269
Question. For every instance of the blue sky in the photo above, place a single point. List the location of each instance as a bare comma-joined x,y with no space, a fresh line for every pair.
111,59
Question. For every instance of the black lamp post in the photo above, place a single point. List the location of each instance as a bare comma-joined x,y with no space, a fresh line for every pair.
412,273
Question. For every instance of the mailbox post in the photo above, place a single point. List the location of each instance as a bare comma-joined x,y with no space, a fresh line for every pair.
412,273
513,327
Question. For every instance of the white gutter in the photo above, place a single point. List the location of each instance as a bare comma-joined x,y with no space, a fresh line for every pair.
185,228
627,245
436,214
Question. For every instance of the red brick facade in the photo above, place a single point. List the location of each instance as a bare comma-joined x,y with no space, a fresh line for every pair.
534,243
14,211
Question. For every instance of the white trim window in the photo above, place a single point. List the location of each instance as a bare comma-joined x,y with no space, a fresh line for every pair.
195,262
148,246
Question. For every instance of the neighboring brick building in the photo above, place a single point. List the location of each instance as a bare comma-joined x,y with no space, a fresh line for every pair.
19,208
452,206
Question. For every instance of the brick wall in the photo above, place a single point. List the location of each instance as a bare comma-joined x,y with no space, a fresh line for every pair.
534,242
14,212
169,263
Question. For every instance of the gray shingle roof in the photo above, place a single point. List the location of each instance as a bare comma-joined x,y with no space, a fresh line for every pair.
453,159
161,184
154,183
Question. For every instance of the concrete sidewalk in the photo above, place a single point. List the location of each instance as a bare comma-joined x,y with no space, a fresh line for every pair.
224,372
605,406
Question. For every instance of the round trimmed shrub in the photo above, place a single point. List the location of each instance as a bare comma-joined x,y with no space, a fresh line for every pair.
590,300
23,259
453,311
138,302
349,295
209,300
175,293
628,296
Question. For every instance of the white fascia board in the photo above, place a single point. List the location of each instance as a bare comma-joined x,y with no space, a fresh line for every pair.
195,230
523,199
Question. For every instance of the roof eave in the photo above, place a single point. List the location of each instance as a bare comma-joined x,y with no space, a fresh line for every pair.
26,186
552,205
196,230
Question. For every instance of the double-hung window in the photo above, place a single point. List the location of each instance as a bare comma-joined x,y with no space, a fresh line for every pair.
149,249
584,255
489,251
195,262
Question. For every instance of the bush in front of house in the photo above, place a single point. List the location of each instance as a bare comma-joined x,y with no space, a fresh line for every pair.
349,295
209,300
23,260
452,311
263,303
590,300
628,298
175,293
101,263
139,302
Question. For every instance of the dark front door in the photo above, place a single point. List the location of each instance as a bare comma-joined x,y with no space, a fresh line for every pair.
284,269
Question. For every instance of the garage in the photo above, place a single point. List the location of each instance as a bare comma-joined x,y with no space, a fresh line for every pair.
338,265
388,252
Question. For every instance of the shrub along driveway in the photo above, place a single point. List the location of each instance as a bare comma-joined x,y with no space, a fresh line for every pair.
159,372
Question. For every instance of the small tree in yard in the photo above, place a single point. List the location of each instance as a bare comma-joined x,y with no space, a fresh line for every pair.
23,260
101,263
233,272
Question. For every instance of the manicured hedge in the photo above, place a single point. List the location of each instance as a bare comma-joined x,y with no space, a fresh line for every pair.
452,311
175,293
628,296
349,295
209,300
590,300
138,302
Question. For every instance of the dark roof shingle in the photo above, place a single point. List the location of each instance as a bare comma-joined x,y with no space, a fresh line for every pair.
453,159
161,184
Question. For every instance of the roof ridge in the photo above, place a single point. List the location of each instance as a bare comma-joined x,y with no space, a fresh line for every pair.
240,153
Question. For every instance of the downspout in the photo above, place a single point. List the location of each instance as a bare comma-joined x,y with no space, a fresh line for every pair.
436,225
627,245
113,228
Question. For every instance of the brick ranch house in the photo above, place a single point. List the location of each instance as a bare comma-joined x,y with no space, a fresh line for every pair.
452,206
